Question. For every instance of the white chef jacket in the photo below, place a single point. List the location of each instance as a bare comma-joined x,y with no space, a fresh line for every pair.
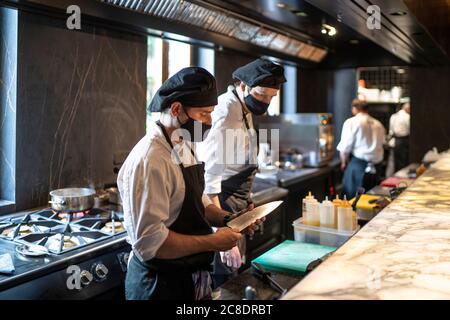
224,156
363,136
399,124
152,188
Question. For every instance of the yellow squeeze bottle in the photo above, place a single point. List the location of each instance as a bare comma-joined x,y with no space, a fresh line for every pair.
336,204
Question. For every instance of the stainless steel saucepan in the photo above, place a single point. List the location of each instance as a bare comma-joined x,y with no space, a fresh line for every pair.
72,199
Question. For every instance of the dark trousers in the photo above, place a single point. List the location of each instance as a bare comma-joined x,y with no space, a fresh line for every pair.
141,283
355,176
401,153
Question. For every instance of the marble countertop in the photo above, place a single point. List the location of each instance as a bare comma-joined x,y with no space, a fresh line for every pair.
403,253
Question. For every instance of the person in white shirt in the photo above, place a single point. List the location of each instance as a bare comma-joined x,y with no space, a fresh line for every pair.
166,216
231,148
361,150
399,125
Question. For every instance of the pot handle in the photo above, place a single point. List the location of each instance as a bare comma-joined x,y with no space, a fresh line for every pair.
60,202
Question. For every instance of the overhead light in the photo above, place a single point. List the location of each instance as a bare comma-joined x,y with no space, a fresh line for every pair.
354,41
398,13
400,71
327,29
300,14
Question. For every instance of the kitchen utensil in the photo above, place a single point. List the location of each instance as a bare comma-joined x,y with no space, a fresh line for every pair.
101,198
250,293
32,250
315,263
359,193
114,196
72,200
259,272
246,219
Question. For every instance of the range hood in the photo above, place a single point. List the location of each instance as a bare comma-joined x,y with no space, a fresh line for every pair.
214,19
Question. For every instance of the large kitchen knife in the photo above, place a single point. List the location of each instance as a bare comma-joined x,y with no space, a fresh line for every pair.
246,219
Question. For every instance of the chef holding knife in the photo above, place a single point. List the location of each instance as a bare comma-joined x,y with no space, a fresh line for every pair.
228,183
161,183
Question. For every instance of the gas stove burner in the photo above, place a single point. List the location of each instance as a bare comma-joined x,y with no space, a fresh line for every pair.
113,227
64,216
61,232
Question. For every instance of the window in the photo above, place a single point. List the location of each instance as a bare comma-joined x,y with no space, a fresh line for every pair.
164,59
8,84
274,107
179,56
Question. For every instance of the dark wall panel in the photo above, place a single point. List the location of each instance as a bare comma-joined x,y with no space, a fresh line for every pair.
430,110
327,91
81,102
226,62
313,90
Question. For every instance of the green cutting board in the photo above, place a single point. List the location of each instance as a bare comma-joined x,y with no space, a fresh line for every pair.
292,257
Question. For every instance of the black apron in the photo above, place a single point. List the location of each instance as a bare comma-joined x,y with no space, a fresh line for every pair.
235,194
401,152
162,279
235,197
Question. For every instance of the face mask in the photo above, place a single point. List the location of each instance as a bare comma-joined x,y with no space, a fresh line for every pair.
196,129
255,106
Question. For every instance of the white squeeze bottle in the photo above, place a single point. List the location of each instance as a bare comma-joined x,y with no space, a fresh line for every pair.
326,211
310,210
345,216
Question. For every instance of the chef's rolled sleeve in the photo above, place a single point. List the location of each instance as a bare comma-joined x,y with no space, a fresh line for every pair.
206,200
213,153
150,207
213,184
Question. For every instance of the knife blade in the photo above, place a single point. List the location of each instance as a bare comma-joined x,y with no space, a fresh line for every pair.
246,219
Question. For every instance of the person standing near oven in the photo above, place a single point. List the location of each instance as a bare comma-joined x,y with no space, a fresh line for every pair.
230,151
166,215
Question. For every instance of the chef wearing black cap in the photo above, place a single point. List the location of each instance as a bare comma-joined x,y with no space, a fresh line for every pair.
161,183
231,148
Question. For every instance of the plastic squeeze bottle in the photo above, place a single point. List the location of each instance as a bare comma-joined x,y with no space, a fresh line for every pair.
345,216
326,211
310,210
336,204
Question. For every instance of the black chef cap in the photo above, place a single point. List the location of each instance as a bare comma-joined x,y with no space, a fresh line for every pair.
261,72
192,87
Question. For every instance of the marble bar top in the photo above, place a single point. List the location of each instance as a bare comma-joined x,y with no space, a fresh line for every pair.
403,253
